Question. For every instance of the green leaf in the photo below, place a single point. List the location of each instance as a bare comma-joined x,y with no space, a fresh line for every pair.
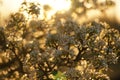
55,72
59,76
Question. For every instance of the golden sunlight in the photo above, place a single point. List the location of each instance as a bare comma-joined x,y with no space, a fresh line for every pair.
55,6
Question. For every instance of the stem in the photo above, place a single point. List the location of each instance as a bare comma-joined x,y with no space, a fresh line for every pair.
79,55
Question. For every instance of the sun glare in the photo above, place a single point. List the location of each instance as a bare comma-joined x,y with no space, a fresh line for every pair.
55,6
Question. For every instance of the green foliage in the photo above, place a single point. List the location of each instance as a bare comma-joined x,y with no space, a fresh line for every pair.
59,76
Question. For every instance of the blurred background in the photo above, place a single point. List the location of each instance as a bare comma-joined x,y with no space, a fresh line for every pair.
53,6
